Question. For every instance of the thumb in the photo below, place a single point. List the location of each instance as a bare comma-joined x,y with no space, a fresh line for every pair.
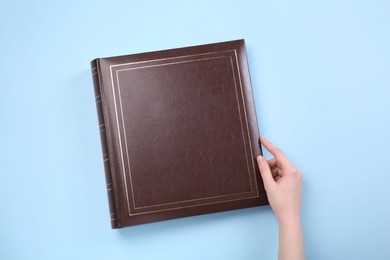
265,172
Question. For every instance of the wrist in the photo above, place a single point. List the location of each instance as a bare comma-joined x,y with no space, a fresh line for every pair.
289,220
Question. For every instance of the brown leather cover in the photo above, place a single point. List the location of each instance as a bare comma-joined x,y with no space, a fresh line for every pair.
179,132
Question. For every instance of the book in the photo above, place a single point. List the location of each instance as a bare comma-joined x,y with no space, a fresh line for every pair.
179,133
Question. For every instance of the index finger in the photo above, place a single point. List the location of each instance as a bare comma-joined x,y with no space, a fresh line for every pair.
276,152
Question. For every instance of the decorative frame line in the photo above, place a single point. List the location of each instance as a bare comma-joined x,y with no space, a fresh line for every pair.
124,130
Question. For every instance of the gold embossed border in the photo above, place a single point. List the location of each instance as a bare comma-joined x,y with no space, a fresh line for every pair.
124,151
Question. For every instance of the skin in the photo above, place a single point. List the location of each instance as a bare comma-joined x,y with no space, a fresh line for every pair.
283,184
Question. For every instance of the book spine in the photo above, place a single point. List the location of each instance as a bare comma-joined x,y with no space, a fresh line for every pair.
103,136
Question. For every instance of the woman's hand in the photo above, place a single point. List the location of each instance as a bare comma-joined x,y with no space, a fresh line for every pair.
283,184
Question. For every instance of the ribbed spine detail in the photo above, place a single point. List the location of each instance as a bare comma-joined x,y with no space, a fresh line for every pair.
103,136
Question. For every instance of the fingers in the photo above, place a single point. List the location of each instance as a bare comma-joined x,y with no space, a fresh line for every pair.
279,156
275,168
272,163
265,172
276,172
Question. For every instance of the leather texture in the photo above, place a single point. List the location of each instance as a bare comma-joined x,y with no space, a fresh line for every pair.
179,132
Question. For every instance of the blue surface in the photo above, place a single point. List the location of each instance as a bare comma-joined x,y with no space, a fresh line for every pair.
321,79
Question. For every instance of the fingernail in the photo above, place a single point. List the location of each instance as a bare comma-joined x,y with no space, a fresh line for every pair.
259,158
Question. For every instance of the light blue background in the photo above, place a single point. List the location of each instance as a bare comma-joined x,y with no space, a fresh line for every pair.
321,80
